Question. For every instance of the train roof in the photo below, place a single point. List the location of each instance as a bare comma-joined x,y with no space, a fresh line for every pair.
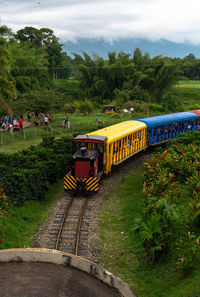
197,112
119,130
168,118
90,138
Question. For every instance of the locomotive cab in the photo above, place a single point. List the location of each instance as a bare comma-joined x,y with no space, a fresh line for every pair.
85,163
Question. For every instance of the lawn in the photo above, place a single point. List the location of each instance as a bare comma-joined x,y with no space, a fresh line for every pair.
123,253
188,84
188,92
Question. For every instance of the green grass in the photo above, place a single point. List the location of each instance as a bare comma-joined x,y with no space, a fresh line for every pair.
123,253
21,223
188,83
189,96
188,91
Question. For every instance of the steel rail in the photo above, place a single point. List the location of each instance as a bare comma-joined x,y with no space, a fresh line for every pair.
80,221
62,223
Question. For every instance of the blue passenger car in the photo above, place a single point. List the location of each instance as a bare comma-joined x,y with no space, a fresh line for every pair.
165,127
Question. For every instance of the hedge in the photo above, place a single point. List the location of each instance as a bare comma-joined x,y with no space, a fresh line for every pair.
27,175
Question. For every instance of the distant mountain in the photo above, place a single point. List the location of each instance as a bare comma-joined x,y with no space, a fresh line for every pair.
101,47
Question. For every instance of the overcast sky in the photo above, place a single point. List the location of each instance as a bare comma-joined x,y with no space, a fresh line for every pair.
174,20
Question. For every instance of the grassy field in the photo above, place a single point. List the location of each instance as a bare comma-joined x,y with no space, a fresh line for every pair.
123,253
188,84
188,92
80,124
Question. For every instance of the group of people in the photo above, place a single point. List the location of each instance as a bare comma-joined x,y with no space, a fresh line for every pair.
11,124
37,115
40,118
65,123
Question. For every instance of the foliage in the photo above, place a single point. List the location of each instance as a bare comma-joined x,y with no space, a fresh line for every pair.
4,206
29,67
7,85
28,173
189,253
171,102
86,107
171,196
155,107
4,203
19,226
36,72
125,78
124,255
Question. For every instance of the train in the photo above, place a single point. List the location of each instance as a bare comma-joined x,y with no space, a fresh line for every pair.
97,152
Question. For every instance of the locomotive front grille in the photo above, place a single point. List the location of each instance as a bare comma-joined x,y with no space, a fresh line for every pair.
92,184
87,185
70,183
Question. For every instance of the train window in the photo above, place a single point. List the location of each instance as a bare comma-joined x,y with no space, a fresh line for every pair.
149,136
182,126
198,125
140,138
192,124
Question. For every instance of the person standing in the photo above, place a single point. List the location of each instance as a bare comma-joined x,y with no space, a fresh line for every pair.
46,120
67,122
21,123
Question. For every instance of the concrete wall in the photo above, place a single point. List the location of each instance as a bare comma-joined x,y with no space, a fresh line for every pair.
65,259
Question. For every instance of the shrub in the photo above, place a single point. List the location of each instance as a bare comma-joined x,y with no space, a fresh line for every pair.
172,200
68,108
86,107
115,116
188,253
28,173
171,102
76,106
193,107
155,107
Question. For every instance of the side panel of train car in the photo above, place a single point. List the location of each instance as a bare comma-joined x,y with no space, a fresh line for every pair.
123,141
166,127
96,152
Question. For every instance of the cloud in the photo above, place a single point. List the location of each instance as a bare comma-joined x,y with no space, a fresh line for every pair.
174,20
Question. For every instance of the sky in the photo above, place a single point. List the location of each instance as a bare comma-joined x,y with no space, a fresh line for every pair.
173,20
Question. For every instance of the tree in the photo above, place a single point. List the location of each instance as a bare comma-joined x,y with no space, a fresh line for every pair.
6,32
29,67
7,85
45,38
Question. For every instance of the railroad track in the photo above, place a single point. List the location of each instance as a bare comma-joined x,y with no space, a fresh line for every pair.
74,235
69,231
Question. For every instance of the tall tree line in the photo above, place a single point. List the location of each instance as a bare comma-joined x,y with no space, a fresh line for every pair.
35,71
129,77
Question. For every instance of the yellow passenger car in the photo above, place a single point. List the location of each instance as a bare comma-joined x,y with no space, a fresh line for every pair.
96,152
123,141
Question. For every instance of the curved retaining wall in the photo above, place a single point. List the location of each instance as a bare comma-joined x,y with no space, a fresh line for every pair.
65,259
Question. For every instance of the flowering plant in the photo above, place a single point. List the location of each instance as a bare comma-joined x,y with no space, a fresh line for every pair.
4,203
188,253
